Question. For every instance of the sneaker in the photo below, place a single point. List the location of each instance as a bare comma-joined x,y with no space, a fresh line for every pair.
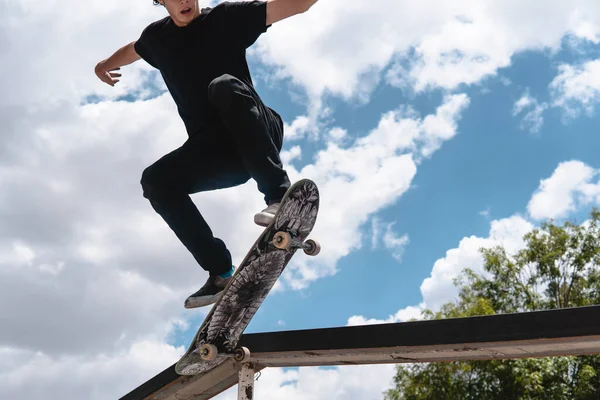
209,293
265,217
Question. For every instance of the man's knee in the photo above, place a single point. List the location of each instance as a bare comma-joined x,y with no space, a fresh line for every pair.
221,89
152,183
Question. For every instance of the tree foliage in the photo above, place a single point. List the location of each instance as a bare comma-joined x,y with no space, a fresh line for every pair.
557,268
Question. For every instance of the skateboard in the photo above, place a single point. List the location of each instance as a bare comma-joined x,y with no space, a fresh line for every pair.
217,338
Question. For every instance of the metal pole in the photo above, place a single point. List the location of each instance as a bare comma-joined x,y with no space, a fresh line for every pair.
246,382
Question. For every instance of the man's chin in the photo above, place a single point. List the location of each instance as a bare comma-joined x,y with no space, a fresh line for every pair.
184,19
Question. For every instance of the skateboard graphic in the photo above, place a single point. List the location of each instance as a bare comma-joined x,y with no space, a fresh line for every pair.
217,337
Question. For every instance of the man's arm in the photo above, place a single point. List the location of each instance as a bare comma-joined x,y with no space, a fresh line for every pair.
278,10
124,56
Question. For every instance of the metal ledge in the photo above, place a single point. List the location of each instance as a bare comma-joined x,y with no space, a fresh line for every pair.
434,353
574,331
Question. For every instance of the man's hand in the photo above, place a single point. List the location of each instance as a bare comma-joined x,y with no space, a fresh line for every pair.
124,56
108,77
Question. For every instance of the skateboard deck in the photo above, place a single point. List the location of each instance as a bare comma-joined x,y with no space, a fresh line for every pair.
217,337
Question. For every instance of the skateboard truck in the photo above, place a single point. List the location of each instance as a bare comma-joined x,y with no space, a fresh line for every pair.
209,352
284,241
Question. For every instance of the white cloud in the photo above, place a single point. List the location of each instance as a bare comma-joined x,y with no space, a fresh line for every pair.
310,383
577,87
585,23
375,232
395,243
534,117
398,76
16,254
338,134
380,163
294,153
570,187
439,287
299,128
442,126
391,240
403,315
35,375
62,66
430,44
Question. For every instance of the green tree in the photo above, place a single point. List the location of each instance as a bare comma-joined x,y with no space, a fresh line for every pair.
557,268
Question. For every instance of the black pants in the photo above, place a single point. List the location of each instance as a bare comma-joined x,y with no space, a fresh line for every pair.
246,145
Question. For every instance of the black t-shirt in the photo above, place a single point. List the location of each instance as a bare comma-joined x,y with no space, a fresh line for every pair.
190,57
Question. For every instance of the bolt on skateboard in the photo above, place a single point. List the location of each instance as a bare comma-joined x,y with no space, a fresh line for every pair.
218,336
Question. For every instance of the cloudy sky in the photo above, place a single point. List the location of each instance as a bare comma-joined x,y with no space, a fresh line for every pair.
432,129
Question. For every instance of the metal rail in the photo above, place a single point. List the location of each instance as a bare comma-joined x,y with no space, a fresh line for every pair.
565,332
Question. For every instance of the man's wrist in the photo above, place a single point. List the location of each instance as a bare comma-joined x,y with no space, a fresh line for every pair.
101,67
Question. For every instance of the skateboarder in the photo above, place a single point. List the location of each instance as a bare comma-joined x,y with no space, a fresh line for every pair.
233,135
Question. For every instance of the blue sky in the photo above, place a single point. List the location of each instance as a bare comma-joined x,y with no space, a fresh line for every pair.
432,129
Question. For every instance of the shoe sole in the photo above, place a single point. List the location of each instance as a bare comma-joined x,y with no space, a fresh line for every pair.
202,301
263,219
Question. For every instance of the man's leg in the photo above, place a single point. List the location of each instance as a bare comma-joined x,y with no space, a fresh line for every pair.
256,133
194,167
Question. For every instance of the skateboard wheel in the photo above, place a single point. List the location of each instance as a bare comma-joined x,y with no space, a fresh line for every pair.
282,240
208,352
313,247
241,354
